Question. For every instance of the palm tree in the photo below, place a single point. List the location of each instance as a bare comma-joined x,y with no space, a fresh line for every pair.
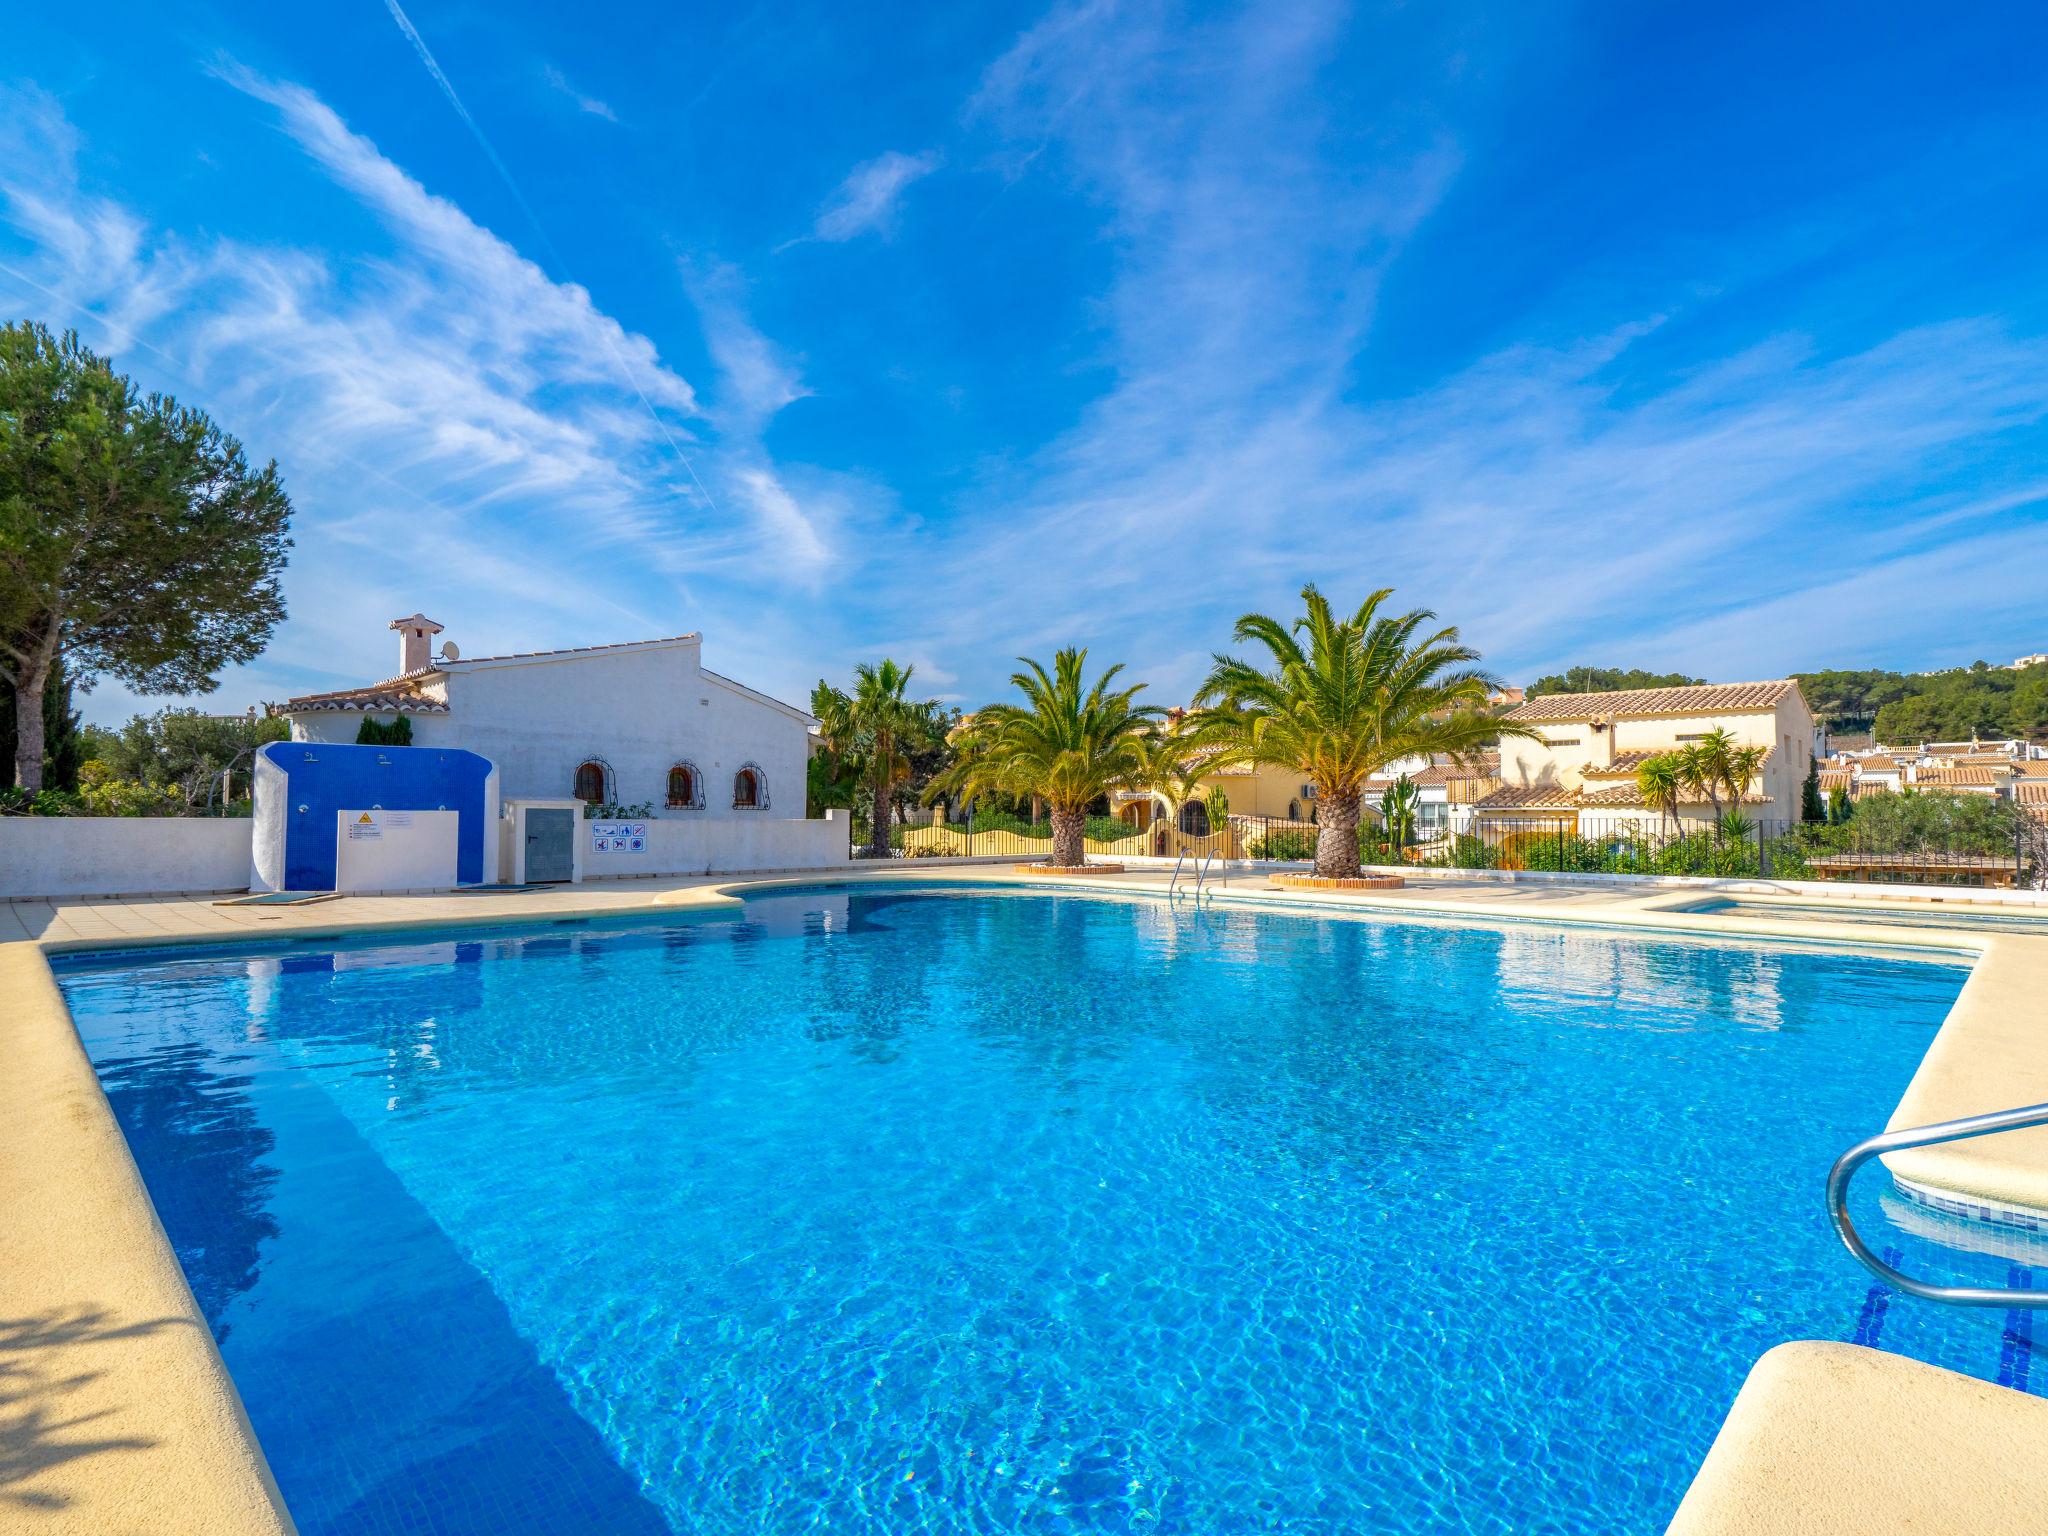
871,728
1166,766
1659,779
1068,744
1364,692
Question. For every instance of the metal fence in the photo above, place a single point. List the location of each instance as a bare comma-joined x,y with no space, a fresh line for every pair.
1734,847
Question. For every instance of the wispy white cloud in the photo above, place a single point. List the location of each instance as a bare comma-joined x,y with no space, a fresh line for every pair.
590,104
449,417
1562,501
866,201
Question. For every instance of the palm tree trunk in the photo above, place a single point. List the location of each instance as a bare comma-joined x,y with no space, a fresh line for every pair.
1069,828
1337,836
878,832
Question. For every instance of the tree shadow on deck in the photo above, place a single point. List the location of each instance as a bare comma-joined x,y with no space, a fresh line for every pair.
42,1428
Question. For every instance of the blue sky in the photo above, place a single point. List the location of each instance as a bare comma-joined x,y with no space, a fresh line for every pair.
1642,335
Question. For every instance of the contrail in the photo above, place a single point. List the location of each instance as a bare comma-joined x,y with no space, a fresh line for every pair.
426,54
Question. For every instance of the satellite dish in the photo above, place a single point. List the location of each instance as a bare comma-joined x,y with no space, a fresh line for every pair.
448,651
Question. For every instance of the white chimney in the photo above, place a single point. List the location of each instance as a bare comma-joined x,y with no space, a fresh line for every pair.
415,643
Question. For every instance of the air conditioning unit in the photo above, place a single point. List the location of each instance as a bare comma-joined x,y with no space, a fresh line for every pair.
1308,791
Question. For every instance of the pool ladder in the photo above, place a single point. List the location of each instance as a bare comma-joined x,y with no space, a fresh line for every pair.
1202,864
1965,1129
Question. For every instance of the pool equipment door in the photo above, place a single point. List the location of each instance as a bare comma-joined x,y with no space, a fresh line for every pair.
550,846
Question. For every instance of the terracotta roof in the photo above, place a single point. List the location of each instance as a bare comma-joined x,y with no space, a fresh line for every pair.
1628,794
2032,793
1836,778
1701,699
1625,763
394,696
1438,774
1982,778
1529,797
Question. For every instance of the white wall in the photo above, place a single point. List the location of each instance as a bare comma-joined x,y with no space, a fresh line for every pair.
639,710
122,855
731,846
408,850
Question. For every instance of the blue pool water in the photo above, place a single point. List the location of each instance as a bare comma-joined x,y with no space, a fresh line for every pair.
1921,916
953,1212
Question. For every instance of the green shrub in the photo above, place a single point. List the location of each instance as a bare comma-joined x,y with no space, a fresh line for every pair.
380,733
1285,844
1469,852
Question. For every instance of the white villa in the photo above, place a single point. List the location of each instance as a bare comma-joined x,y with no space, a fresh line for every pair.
2010,769
642,723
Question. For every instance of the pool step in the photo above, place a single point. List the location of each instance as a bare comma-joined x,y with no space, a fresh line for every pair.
1843,1440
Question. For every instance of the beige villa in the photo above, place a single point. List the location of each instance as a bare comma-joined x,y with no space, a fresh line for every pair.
1581,765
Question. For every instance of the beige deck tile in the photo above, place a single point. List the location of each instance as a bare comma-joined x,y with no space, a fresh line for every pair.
1839,1440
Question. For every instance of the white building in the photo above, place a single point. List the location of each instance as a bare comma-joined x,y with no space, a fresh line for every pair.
639,724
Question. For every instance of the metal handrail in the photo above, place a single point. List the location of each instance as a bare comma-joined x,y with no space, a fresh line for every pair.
1926,1136
1202,863
1174,883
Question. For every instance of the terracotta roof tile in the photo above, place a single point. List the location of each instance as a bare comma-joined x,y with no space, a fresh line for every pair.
1701,699
1628,794
1975,778
397,695
1529,797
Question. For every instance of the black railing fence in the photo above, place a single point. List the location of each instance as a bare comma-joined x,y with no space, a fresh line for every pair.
2014,853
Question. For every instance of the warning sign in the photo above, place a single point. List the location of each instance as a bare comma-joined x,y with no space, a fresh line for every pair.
365,828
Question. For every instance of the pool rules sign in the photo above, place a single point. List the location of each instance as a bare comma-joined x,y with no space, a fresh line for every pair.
618,837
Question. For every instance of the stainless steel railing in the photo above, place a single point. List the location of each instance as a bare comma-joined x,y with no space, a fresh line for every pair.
1926,1136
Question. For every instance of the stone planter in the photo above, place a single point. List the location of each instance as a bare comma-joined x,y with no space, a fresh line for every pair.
1291,882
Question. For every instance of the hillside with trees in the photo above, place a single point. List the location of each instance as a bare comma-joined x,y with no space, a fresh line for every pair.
1607,680
1974,701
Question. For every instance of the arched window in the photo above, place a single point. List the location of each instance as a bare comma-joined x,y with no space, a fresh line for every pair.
749,790
592,782
1194,819
1294,810
685,786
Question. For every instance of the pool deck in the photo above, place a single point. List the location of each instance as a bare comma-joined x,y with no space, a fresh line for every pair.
117,1415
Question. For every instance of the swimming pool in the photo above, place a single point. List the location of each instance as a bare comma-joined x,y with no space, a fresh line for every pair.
1978,920
975,1212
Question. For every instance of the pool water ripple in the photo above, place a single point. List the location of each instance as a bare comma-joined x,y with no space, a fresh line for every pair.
961,1212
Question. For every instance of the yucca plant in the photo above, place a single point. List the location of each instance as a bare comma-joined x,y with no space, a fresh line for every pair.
1342,699
1068,744
1660,780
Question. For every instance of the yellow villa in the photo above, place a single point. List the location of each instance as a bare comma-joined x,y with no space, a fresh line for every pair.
1581,767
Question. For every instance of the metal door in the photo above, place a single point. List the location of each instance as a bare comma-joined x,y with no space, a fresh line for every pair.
550,846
